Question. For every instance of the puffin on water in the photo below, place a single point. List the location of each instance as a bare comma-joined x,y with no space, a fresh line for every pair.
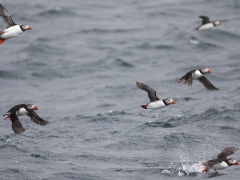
198,74
12,28
20,110
221,162
206,24
155,102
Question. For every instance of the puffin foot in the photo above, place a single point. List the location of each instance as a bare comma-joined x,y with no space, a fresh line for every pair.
1,32
217,171
144,106
2,41
205,169
7,117
180,80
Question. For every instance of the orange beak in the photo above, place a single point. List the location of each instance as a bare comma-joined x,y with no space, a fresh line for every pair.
237,163
220,23
29,28
209,71
174,102
36,108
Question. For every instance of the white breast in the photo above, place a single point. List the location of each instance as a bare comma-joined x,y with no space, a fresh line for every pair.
197,74
21,112
206,26
11,32
156,105
221,165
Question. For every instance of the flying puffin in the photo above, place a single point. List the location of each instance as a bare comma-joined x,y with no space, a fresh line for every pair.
20,110
12,28
198,74
155,102
221,162
206,24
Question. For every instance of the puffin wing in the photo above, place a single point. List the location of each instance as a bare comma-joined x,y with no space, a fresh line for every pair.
207,84
151,92
35,118
7,18
16,124
212,162
205,19
226,152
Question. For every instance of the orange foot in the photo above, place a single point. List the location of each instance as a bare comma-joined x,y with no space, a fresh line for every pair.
7,117
2,41
205,170
180,80
1,32
217,171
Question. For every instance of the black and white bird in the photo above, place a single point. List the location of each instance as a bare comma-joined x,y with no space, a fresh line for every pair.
20,110
221,162
199,75
155,102
206,24
12,28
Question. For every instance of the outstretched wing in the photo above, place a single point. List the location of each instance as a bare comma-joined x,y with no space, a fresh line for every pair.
226,152
16,124
207,84
151,92
35,118
205,19
7,18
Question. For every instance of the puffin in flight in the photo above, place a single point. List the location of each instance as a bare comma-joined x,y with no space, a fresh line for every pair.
206,24
199,75
12,28
20,110
221,162
155,102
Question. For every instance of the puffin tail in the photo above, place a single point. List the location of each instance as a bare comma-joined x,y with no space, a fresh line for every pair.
2,41
144,106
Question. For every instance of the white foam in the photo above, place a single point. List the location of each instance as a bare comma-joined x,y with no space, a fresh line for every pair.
194,41
165,171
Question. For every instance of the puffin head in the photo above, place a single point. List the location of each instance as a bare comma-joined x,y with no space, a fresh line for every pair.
26,27
170,101
232,161
32,107
206,70
217,23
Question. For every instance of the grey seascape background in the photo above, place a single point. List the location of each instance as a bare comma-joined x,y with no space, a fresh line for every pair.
79,65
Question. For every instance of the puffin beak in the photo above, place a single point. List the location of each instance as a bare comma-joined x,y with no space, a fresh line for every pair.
36,108
209,71
220,23
237,163
174,102
29,28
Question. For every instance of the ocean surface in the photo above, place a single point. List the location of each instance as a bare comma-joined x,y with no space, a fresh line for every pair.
80,64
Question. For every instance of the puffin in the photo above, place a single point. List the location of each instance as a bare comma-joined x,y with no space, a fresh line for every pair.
206,24
12,28
155,102
199,75
20,110
221,162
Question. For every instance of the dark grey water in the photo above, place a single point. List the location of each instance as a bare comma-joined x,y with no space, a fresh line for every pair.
80,64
